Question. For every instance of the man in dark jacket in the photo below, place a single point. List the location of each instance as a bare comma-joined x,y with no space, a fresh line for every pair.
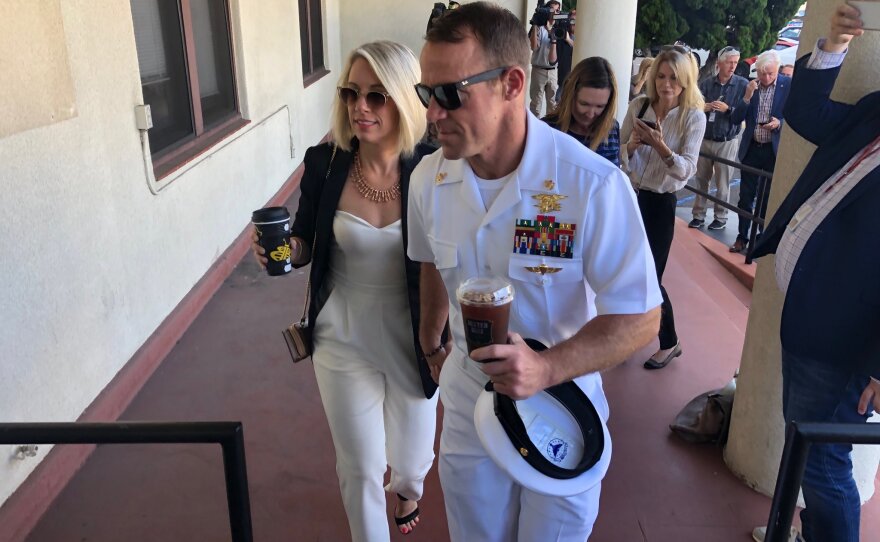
825,236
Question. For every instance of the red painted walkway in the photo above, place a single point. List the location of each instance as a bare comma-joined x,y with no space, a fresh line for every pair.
232,365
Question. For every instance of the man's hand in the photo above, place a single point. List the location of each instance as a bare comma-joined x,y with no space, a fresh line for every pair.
846,23
437,358
750,90
870,396
514,369
773,124
720,106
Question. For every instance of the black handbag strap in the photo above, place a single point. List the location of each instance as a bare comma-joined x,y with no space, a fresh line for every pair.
305,313
644,108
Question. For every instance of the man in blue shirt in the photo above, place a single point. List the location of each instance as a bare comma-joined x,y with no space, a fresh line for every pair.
722,92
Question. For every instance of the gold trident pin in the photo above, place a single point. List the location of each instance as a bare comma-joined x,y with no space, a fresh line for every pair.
439,178
549,203
543,269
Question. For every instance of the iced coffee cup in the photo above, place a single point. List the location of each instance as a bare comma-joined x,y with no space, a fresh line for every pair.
485,309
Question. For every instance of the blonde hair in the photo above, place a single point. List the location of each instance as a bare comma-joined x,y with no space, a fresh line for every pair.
593,72
642,74
398,70
684,66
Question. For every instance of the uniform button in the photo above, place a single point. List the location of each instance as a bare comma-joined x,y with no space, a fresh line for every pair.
542,280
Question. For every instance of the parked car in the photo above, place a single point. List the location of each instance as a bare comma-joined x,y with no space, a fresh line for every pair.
789,36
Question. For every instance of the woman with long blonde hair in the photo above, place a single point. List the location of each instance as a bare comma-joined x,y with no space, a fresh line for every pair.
587,107
373,378
663,132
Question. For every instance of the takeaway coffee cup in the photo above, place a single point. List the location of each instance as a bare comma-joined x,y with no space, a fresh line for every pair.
485,309
273,229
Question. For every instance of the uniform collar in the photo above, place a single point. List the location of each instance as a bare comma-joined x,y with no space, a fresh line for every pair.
536,173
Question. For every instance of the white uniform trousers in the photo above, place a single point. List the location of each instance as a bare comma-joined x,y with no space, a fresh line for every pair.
482,502
372,395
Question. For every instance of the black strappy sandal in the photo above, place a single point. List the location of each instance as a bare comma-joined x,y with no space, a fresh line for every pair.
407,518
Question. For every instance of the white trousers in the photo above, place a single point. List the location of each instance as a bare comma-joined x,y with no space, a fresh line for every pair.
482,502
372,395
543,89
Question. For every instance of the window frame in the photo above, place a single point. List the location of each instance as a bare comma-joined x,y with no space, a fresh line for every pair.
183,151
315,73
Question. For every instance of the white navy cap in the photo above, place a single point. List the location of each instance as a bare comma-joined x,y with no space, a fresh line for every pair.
554,443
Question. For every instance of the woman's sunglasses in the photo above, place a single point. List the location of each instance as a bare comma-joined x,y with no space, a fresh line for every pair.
374,98
447,95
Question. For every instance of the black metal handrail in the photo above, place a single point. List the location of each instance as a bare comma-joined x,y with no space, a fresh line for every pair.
757,218
229,435
798,438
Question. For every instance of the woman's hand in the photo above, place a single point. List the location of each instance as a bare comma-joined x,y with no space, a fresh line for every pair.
649,136
436,356
633,143
258,251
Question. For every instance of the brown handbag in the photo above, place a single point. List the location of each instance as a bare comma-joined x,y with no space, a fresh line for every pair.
297,335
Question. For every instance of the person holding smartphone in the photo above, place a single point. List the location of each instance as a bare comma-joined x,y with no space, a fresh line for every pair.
663,131
824,235
762,108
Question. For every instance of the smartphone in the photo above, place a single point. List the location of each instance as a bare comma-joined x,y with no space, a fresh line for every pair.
651,124
763,123
870,11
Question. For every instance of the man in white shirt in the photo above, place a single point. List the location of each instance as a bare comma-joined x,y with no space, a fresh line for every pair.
825,236
500,167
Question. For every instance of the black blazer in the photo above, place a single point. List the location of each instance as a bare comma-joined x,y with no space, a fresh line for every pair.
832,306
318,202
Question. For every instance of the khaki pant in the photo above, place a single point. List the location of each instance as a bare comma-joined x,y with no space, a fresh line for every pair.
709,169
543,87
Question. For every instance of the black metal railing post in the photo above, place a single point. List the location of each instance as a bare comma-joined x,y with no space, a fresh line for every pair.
799,437
760,211
229,435
237,486
788,484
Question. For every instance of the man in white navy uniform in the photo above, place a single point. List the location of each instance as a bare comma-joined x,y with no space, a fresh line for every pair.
500,172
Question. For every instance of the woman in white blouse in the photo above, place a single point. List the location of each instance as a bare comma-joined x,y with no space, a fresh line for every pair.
663,131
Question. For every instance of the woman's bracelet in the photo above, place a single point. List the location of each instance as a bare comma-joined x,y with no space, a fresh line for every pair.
434,352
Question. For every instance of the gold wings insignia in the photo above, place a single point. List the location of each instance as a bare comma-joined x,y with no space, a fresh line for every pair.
543,269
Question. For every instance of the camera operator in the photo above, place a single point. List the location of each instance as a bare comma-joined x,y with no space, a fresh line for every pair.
545,80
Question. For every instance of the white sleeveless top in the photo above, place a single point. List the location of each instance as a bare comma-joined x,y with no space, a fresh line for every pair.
366,258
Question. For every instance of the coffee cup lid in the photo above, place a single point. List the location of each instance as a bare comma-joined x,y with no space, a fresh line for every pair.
489,291
270,215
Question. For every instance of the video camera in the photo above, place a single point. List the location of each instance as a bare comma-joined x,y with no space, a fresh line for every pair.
438,10
561,25
542,15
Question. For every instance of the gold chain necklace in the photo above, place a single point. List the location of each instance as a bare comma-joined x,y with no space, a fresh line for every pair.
370,192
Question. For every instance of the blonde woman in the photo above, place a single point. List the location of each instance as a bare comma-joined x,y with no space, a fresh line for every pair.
663,132
375,385
587,107
637,87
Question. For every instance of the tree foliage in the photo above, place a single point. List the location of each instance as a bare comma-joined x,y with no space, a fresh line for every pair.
749,25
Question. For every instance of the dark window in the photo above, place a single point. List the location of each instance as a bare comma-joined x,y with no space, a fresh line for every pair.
187,73
311,36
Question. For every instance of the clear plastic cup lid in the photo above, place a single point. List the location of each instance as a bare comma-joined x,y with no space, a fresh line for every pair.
489,291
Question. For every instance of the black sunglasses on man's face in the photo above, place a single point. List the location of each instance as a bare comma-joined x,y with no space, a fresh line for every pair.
447,95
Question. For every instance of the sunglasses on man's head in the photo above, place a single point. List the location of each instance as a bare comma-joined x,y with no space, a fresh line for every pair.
447,95
728,50
374,98
683,49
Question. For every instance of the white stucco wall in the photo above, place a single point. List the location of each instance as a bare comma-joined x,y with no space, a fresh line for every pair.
92,260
